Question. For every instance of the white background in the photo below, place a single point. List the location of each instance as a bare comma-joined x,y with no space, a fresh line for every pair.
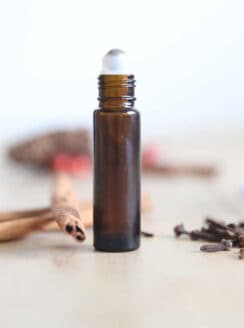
187,56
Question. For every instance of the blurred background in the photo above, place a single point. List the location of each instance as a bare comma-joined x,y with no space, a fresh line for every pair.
187,57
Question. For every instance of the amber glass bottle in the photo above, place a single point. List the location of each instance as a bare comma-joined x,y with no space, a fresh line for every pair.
116,166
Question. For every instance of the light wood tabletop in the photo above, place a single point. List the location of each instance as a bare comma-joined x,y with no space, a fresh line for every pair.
47,280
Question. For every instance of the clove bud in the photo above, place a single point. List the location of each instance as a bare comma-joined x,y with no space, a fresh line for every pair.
224,245
195,234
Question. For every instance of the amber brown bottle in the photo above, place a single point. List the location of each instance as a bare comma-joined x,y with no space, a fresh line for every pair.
116,166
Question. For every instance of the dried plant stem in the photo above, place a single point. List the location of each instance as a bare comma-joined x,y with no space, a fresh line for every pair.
181,169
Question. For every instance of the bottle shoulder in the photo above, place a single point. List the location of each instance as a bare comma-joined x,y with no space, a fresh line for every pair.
115,112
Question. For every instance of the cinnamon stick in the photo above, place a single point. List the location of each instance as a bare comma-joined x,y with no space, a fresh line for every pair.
18,224
23,214
12,230
66,208
146,205
22,227
53,226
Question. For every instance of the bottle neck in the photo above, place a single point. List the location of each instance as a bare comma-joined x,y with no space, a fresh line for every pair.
116,92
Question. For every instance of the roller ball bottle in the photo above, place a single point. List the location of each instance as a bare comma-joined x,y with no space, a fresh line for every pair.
116,159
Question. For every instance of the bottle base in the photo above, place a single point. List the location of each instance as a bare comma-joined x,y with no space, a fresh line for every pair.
116,244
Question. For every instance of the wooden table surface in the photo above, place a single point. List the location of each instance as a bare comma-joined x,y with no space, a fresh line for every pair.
47,280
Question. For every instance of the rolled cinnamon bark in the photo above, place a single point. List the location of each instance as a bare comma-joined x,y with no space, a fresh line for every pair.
53,226
23,214
66,208
19,224
23,226
12,230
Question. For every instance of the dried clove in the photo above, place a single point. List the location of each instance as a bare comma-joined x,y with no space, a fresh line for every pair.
224,235
194,234
231,228
224,231
224,245
203,235
147,234
179,230
215,223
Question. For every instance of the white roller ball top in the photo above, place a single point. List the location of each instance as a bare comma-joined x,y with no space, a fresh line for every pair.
115,62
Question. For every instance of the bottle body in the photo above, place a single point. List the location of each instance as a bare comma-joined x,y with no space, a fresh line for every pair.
116,179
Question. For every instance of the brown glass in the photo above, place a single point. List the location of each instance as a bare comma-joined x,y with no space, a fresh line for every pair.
116,166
